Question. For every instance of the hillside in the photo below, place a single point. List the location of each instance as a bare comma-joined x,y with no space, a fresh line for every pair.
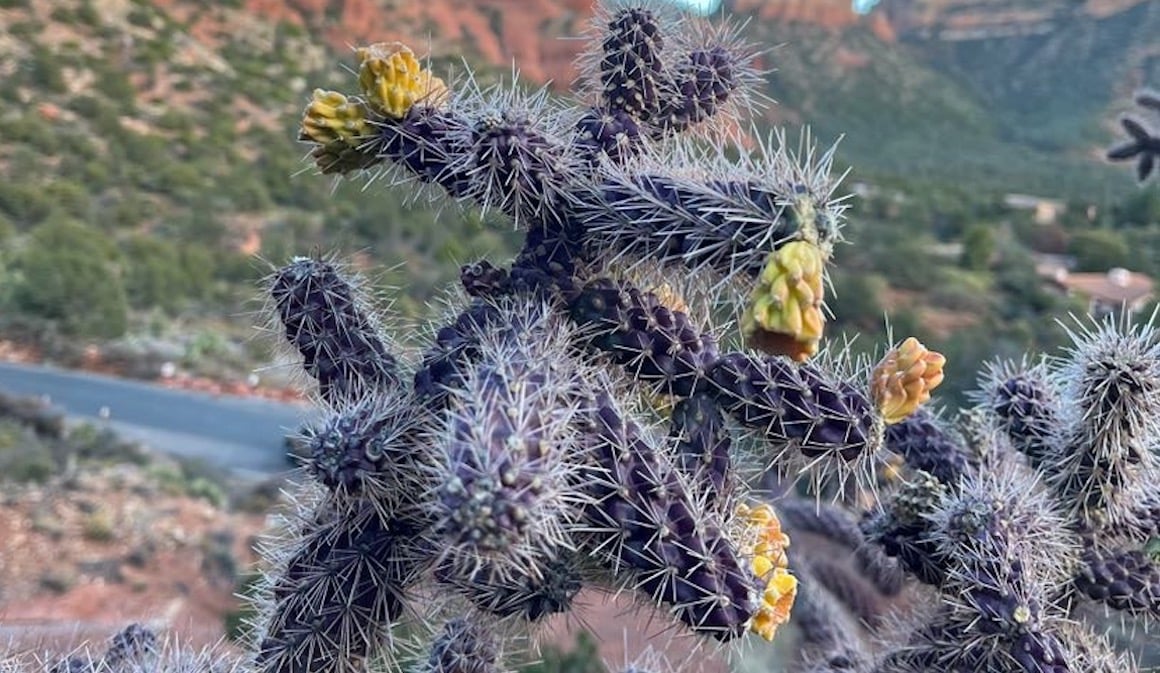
148,147
1015,91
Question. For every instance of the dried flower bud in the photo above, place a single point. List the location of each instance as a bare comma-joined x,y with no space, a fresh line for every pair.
784,315
394,81
904,379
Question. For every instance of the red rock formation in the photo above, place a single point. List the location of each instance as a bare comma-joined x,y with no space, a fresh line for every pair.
533,33
834,14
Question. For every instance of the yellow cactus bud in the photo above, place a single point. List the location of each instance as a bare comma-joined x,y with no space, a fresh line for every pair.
393,80
771,565
784,315
904,379
332,117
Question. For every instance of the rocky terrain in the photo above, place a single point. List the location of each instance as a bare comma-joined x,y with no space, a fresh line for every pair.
88,552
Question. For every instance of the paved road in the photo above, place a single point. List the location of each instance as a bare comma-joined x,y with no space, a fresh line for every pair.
243,435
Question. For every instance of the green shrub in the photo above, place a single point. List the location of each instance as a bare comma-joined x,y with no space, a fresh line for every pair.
67,277
1099,250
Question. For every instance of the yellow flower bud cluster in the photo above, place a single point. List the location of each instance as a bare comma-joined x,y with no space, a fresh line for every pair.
771,565
393,80
331,116
337,125
904,379
784,315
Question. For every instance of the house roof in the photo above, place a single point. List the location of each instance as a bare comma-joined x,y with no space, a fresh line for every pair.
1114,287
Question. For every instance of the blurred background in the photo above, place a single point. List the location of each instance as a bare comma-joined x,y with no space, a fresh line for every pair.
149,176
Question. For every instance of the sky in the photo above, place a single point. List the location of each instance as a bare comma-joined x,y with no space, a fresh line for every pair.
863,6
700,6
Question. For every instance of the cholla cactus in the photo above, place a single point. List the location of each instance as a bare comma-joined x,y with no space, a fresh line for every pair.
134,649
1042,507
576,424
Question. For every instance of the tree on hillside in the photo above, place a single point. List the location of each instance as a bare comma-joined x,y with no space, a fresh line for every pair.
978,247
1098,250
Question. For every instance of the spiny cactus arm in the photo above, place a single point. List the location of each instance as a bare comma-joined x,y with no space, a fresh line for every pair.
723,226
1022,399
332,602
902,527
716,78
946,644
517,156
632,71
134,649
427,145
446,364
805,414
925,443
824,419
1139,522
1000,548
993,599
493,148
664,71
988,619
657,345
493,590
1127,581
702,439
704,82
464,646
606,133
1110,392
502,475
656,537
369,448
323,315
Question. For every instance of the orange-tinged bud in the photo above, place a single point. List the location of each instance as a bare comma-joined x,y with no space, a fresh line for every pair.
904,379
771,565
